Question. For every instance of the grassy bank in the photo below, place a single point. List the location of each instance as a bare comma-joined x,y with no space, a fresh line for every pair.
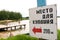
4,22
20,37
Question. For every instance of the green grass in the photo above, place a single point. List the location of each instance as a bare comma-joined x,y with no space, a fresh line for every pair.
21,37
27,37
58,36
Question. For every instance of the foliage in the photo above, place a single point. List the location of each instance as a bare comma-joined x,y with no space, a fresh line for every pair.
3,15
6,15
25,18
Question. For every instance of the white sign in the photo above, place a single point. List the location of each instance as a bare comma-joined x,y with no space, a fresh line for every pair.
43,22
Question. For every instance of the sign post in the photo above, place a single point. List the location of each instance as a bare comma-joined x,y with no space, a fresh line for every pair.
43,22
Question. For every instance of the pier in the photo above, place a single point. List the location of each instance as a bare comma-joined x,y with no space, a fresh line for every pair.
11,28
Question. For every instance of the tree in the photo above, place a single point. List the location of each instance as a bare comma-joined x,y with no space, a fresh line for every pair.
4,15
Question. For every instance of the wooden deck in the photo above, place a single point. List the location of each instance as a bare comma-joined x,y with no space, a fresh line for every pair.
10,28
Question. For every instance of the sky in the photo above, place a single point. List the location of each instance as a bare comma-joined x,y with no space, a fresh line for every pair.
23,6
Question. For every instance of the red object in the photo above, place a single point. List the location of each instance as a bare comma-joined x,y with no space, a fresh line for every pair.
37,30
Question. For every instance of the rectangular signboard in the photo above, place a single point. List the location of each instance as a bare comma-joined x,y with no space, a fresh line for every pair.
43,22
